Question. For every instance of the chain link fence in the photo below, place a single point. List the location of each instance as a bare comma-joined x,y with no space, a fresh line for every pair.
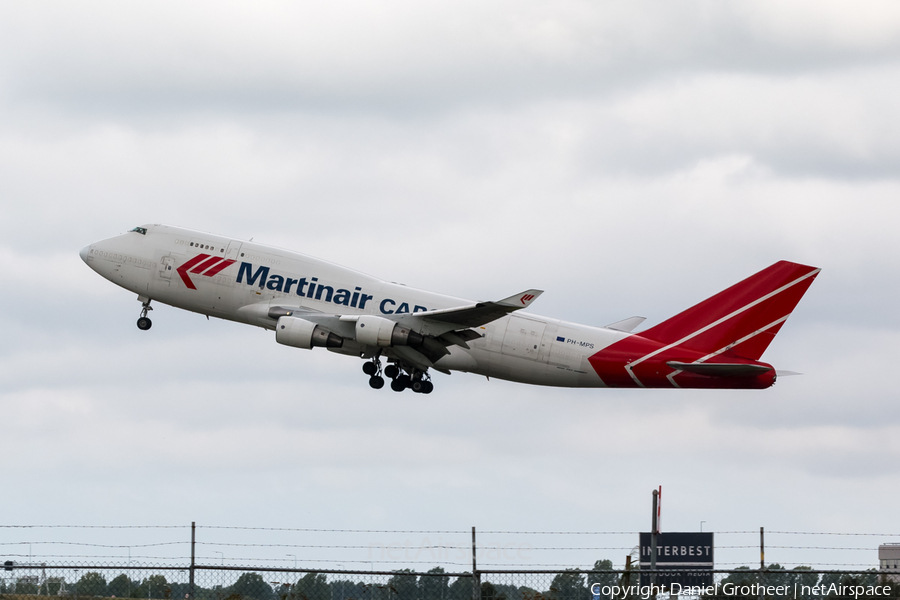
211,582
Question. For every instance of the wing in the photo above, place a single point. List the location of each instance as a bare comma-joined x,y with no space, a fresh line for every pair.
475,315
436,329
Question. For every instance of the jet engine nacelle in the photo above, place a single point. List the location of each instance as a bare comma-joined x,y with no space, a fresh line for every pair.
301,333
378,331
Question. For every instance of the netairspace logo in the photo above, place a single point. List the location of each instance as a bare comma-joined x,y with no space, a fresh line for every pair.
730,589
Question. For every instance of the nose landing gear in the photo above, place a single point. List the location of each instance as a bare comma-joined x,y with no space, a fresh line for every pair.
143,322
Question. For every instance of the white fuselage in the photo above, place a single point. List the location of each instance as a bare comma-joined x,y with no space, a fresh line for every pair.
519,347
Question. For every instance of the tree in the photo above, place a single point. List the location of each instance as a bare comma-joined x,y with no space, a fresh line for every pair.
489,592
342,589
26,584
461,588
311,586
776,575
435,587
568,585
121,586
178,591
743,576
91,584
510,592
252,585
601,579
283,591
154,586
528,593
403,586
804,579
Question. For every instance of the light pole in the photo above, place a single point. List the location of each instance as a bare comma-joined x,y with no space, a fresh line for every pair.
701,526
221,556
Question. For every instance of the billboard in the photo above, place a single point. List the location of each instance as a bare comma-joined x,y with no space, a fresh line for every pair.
686,557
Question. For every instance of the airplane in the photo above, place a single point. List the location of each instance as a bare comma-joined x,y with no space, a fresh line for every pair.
311,303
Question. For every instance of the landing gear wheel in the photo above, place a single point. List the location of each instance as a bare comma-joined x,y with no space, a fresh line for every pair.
370,368
144,323
404,381
427,387
397,385
391,371
376,381
418,386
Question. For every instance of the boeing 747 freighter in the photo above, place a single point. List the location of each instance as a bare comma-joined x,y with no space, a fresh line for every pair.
404,334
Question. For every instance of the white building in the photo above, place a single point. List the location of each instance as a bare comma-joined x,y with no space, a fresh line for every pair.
889,559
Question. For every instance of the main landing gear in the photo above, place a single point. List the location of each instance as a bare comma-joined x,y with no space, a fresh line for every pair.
373,370
143,322
417,381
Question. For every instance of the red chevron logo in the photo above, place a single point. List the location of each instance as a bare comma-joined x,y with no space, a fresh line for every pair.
527,298
203,264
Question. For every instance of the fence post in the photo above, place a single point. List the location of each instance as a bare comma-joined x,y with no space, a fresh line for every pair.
654,529
476,578
762,560
191,576
762,548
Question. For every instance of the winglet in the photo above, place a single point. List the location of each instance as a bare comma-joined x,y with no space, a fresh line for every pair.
522,299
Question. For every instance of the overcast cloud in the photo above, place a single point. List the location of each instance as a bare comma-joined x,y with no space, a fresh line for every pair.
628,158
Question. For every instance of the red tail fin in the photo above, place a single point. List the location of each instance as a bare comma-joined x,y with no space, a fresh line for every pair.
742,319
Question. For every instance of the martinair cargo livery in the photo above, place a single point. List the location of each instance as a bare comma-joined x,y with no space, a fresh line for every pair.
310,302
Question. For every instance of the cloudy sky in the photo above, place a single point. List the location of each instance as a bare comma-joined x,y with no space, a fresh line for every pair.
630,158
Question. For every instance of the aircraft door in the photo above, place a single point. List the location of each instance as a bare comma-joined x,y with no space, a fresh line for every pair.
166,267
523,337
233,251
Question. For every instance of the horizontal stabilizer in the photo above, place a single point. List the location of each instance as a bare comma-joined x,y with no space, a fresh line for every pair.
627,325
780,373
720,369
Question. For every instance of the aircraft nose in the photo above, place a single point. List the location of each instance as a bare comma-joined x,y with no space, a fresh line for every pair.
84,253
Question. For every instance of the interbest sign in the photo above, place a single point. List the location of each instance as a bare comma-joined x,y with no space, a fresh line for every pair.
688,558
679,549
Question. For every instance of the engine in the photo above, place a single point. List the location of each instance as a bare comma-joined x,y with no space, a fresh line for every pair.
378,331
301,333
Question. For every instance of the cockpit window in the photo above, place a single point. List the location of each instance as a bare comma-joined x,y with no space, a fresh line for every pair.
140,230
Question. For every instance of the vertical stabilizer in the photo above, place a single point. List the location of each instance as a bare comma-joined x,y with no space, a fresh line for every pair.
742,319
